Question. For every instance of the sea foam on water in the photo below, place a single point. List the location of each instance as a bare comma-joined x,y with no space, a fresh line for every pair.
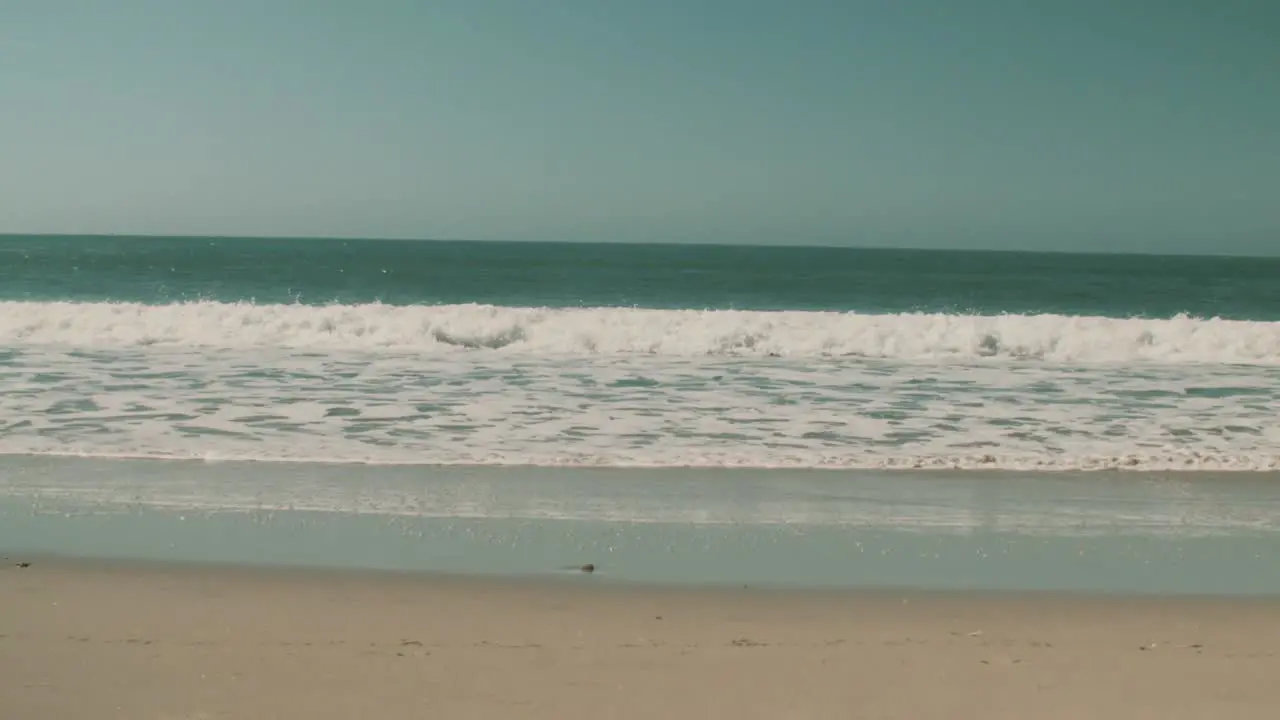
432,329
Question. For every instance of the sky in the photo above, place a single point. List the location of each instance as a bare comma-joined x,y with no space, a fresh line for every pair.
1147,126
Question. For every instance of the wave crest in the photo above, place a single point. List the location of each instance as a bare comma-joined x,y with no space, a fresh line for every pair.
623,331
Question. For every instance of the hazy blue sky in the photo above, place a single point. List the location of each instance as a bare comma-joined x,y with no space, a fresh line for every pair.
1037,124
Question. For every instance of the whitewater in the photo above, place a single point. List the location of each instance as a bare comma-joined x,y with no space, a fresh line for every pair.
631,331
495,385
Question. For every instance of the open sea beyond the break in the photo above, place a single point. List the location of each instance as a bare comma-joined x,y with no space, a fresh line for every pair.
662,409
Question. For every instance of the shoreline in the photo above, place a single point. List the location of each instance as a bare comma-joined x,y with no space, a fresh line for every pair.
599,581
940,467
81,638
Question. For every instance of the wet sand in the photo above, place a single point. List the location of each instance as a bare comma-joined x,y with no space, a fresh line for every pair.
82,640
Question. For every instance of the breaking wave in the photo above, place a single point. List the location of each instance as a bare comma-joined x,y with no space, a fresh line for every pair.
633,331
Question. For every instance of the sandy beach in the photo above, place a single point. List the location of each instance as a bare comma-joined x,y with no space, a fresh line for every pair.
89,640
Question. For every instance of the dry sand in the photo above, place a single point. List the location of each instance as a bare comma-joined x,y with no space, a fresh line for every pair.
143,642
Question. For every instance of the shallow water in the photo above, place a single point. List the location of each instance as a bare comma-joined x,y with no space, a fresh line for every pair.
793,415
1176,533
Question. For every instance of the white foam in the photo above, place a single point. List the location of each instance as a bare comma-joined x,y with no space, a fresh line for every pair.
626,331
1170,461
635,411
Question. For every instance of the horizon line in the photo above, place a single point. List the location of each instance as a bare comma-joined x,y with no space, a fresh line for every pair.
662,243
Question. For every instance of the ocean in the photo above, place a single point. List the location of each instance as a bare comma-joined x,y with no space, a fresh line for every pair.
641,387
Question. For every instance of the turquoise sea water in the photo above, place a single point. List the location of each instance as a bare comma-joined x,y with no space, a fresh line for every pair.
1113,419
321,271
